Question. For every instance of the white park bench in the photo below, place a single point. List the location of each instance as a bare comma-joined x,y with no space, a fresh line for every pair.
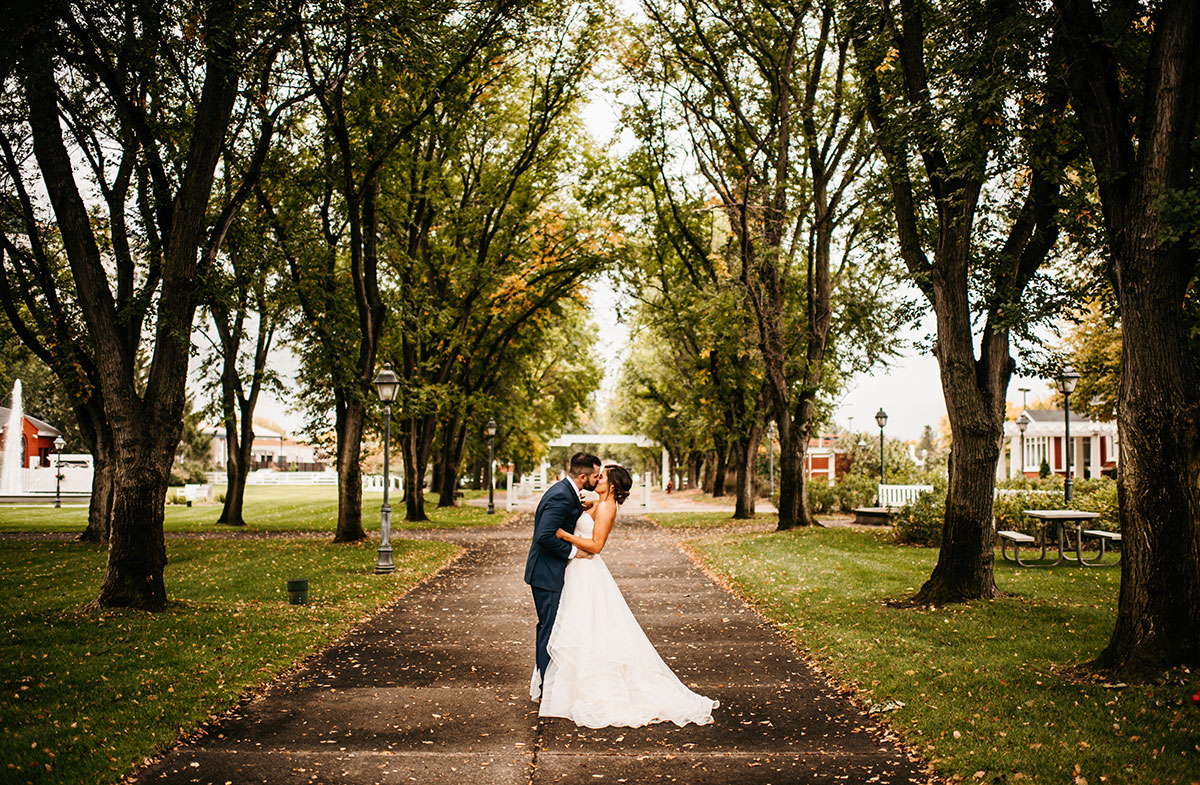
890,499
900,495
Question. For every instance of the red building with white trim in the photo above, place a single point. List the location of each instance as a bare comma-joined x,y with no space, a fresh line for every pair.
37,439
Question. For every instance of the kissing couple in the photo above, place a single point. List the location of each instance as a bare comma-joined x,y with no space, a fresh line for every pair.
594,663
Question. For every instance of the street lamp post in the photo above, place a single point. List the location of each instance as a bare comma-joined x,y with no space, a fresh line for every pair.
491,433
881,419
387,384
58,447
1066,382
771,456
1023,423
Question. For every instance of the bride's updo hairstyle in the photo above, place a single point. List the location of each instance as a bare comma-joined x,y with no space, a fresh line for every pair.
621,482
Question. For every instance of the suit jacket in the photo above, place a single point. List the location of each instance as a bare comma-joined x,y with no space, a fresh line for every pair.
559,508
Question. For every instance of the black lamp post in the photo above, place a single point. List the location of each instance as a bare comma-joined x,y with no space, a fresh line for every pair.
58,446
387,384
881,419
490,428
491,459
1023,423
1066,382
771,453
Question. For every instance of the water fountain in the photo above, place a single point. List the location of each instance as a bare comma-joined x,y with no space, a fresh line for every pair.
10,466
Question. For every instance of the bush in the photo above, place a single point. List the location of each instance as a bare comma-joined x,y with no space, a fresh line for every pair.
823,497
920,523
857,490
1044,469
1099,495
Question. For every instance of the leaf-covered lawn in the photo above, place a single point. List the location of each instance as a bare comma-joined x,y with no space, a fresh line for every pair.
980,683
267,508
86,696
703,520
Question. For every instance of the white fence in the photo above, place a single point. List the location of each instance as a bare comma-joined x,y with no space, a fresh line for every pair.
900,495
370,482
76,479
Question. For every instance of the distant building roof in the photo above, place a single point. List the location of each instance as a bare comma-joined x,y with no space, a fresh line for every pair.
44,428
1054,415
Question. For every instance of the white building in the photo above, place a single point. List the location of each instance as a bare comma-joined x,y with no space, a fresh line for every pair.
271,450
1094,445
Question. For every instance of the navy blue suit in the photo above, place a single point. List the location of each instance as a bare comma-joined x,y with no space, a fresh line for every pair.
559,508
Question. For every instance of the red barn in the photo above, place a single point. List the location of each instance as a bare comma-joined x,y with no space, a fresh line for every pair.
37,439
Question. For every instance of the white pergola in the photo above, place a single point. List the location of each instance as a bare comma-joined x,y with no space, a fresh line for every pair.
571,439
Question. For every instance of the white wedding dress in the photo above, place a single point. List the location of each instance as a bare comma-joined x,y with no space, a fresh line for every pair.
603,669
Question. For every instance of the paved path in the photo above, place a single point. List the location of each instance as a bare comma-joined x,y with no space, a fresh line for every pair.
435,690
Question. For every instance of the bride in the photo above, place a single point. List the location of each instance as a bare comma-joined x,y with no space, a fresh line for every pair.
603,669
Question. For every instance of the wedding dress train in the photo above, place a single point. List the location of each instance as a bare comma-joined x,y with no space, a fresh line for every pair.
603,669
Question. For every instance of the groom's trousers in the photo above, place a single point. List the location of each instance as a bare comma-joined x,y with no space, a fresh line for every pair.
546,602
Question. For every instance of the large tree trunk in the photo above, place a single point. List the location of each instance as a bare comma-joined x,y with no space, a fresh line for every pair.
1158,477
1154,263
975,405
137,551
349,452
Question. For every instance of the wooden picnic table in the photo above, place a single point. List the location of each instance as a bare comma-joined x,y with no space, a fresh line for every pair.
1062,520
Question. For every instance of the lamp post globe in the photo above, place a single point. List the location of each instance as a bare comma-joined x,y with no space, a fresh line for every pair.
59,443
881,419
387,385
1065,382
490,428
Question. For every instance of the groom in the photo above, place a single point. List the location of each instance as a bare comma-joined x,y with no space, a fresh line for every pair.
559,508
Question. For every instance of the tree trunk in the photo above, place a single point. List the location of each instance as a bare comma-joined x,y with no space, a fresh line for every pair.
98,436
710,463
695,457
718,486
100,507
792,509
745,451
454,443
237,468
137,551
1154,263
414,474
349,451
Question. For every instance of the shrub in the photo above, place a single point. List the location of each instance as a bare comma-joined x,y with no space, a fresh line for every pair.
1099,495
1044,469
823,497
920,523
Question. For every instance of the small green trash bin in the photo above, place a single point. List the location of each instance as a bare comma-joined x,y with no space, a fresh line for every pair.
298,591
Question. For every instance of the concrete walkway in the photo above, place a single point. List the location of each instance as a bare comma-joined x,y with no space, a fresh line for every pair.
435,690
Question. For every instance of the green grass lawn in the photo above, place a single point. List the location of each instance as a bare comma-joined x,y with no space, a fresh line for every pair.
981,683
704,520
267,508
85,697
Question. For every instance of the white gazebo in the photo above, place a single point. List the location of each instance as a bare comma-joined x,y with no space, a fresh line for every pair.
1093,445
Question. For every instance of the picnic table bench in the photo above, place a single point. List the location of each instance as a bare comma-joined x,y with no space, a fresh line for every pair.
1061,520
